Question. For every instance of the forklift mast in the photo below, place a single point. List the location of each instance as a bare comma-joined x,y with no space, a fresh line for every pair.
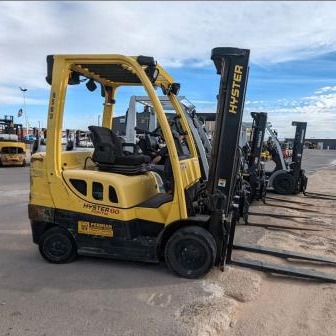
254,174
232,65
224,183
277,156
295,165
300,134
258,129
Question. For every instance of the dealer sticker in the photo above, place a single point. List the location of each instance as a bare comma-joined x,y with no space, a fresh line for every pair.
221,183
95,229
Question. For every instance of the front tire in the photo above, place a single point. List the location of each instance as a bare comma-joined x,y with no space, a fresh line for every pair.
190,252
284,184
57,246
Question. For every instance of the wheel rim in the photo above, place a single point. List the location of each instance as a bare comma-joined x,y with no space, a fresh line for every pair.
57,247
285,184
190,254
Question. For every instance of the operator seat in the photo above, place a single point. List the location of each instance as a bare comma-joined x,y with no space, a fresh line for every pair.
147,147
109,156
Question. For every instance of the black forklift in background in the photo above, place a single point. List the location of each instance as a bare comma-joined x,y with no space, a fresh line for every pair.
224,177
288,178
254,167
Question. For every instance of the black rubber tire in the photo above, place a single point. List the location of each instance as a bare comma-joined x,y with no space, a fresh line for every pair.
24,163
57,246
284,184
190,252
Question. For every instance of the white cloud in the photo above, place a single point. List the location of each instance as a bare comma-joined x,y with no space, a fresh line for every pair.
173,32
318,110
254,102
325,89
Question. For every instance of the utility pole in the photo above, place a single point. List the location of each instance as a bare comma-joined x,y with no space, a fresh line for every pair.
25,108
98,119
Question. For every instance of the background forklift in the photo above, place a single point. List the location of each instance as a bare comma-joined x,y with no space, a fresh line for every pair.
12,149
7,126
114,207
254,169
288,178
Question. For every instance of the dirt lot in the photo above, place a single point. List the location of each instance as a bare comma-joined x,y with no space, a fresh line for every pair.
245,302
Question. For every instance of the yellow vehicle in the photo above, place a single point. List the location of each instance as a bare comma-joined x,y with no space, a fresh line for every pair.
112,202
265,155
12,153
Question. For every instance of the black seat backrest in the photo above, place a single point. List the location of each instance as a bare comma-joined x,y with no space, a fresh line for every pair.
145,145
106,143
108,150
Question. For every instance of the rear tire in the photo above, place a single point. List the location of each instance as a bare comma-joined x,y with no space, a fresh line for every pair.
284,184
57,246
190,252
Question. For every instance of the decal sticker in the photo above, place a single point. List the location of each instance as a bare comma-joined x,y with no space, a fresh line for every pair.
222,183
52,105
95,229
236,87
101,209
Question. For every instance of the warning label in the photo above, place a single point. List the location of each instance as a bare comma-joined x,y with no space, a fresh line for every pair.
95,229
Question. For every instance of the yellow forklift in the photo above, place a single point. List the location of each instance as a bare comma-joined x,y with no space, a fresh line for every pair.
12,149
112,203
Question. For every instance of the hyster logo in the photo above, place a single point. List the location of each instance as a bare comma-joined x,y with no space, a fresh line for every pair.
101,210
235,91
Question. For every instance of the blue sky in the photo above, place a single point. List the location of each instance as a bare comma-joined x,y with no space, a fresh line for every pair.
292,65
